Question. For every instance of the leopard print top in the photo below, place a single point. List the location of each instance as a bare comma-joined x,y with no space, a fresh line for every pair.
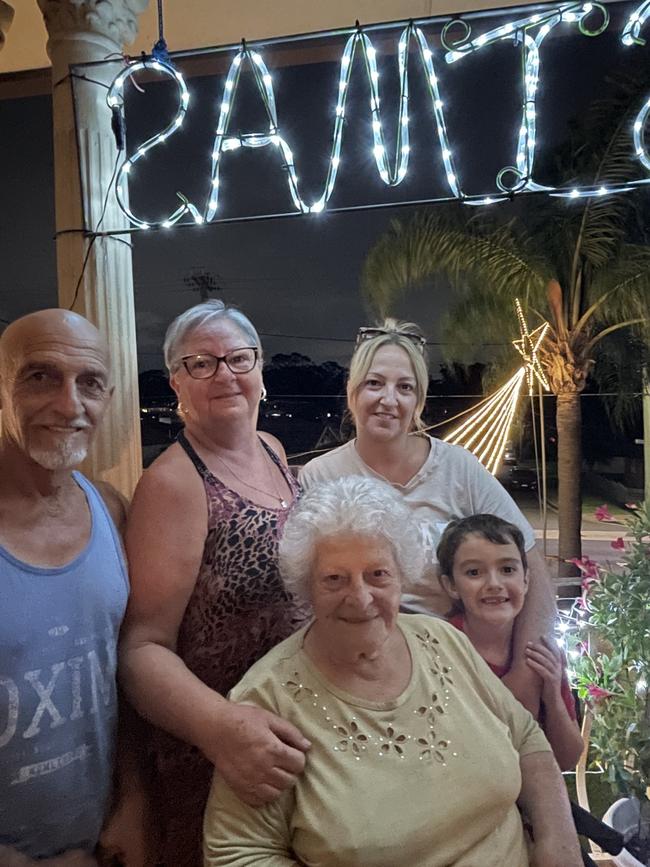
237,612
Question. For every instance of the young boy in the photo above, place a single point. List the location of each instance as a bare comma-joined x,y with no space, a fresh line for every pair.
483,568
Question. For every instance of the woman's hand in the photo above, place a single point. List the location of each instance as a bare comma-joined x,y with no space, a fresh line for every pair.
258,754
545,659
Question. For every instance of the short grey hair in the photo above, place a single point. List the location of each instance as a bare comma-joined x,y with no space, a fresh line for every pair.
200,315
351,504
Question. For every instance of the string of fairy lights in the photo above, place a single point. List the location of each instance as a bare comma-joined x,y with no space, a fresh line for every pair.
486,431
528,32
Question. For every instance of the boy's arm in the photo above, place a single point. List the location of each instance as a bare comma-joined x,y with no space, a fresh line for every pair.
561,729
536,619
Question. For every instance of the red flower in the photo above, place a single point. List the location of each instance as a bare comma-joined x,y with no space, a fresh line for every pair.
602,513
618,544
597,692
589,569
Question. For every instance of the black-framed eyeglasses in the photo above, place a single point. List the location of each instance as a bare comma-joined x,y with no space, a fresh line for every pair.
368,332
237,360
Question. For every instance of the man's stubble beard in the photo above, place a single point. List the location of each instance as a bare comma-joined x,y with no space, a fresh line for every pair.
65,456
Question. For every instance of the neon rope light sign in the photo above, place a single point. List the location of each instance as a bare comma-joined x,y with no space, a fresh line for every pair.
528,32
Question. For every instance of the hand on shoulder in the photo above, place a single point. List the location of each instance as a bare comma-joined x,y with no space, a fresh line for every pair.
257,753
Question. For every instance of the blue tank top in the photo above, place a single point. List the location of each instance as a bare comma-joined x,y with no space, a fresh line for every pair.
58,702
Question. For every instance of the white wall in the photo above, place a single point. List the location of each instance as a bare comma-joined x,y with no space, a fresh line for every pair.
198,23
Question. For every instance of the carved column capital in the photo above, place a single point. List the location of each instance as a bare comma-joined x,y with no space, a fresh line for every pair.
116,20
6,17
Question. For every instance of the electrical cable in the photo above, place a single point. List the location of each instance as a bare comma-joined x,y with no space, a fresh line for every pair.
94,235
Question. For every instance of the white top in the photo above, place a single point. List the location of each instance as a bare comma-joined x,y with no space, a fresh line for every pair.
450,484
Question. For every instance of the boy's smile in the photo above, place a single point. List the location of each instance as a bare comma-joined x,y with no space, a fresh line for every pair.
489,579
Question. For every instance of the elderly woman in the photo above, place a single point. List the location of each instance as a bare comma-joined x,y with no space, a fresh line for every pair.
387,390
420,756
207,600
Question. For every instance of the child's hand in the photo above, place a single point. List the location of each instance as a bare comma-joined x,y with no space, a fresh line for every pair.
545,659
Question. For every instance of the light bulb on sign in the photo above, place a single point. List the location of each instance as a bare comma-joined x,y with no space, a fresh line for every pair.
392,155
115,100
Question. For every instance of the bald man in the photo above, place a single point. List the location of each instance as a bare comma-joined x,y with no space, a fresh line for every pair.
63,592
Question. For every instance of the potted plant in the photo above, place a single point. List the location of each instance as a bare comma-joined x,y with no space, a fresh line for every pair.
609,652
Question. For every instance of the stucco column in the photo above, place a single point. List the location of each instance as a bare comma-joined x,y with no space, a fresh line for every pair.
82,31
6,17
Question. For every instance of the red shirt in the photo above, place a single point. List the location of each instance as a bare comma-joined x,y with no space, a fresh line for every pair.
501,670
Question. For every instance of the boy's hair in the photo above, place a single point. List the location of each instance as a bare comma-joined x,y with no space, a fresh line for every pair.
490,527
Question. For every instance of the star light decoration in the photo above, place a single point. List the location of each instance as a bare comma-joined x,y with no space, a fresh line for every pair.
527,347
486,431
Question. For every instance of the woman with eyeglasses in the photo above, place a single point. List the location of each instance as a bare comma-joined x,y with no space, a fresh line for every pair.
206,599
386,392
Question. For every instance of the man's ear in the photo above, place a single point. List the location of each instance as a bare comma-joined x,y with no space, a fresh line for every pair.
449,587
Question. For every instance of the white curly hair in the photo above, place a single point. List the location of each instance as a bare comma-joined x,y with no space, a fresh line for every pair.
352,504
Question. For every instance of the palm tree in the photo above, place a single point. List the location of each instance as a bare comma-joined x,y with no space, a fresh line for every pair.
572,265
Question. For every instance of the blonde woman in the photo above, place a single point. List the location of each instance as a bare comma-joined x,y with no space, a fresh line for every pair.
386,394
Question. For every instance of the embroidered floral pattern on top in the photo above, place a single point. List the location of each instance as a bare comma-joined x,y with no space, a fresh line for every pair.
298,690
354,739
433,748
393,741
425,745
430,645
431,711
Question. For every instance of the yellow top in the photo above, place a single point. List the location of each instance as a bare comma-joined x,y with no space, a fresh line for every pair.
429,779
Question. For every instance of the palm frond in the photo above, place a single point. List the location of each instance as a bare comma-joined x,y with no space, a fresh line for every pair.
466,251
607,158
621,291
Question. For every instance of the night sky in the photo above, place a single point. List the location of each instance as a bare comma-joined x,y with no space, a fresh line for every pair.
296,276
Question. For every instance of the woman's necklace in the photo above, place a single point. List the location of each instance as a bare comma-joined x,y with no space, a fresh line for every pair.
276,496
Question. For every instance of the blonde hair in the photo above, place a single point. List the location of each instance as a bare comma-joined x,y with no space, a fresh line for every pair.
396,332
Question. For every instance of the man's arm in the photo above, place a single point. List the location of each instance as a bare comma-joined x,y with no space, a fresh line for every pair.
536,619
